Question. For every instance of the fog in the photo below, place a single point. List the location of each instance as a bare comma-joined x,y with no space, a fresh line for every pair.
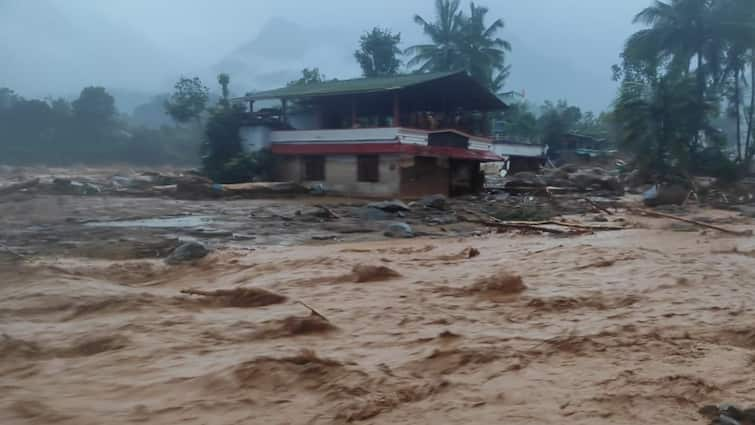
562,49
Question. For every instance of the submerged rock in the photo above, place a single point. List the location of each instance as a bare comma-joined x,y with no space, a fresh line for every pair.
439,202
399,230
389,206
187,252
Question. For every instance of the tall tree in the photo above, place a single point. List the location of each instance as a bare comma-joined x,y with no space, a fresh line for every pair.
224,80
188,101
463,42
95,106
308,76
378,53
442,53
483,51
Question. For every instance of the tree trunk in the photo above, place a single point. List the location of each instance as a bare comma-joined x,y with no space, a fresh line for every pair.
748,140
738,101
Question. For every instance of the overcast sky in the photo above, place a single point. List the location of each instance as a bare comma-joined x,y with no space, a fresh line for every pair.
580,39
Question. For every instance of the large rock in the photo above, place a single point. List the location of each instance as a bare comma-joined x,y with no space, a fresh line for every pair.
665,195
399,230
389,206
439,202
187,252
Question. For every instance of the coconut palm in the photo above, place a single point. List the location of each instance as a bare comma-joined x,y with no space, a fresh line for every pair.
442,54
461,42
484,53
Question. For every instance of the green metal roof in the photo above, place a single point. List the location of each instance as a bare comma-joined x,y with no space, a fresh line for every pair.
344,87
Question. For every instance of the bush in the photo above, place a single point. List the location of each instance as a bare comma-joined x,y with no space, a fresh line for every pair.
246,167
713,162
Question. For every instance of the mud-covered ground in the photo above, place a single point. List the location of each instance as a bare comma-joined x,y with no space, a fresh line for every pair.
643,325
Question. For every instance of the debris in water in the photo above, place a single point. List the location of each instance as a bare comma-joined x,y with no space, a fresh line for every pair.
502,283
362,273
239,297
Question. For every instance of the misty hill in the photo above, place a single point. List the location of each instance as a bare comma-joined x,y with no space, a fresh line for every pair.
283,48
51,55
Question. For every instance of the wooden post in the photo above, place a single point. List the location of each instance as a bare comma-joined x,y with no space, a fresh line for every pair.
353,112
284,111
396,111
318,116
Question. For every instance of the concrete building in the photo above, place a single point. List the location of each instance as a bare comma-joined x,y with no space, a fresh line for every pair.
402,136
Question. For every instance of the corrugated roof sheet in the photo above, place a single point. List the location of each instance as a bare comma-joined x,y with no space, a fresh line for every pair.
342,87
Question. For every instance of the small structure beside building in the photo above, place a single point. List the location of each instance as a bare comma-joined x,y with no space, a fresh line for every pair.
575,147
402,136
520,157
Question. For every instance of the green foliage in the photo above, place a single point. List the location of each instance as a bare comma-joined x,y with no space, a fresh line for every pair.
223,158
224,80
556,120
462,42
57,132
378,53
247,167
519,123
675,73
308,76
188,101
712,162
222,140
659,123
94,105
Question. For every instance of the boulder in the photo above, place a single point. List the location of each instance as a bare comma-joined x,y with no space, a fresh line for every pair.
389,206
439,202
665,195
399,230
187,252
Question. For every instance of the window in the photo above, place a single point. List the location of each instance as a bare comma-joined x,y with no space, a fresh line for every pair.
314,168
367,168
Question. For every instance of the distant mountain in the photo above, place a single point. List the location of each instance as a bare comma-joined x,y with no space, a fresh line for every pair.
282,49
44,53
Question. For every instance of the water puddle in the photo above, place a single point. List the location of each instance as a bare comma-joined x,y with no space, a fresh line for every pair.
159,222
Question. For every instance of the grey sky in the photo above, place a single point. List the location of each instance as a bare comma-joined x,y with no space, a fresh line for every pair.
562,48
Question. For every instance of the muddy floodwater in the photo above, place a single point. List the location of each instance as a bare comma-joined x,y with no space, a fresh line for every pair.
637,326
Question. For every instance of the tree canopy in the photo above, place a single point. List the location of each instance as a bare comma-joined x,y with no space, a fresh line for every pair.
378,53
692,56
460,41
188,101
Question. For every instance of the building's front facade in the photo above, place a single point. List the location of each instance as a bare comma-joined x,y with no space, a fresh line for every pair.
404,136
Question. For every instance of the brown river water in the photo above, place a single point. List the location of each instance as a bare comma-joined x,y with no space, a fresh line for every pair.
636,326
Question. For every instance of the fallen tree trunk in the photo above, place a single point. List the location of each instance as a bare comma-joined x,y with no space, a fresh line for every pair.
567,224
597,207
695,222
314,312
15,187
494,222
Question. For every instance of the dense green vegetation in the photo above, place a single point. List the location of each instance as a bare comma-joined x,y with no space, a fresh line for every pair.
692,58
378,53
87,130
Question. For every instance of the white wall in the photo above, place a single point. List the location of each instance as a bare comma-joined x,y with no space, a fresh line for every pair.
255,138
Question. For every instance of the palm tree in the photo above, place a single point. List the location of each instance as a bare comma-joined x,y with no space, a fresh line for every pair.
484,52
460,42
443,52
